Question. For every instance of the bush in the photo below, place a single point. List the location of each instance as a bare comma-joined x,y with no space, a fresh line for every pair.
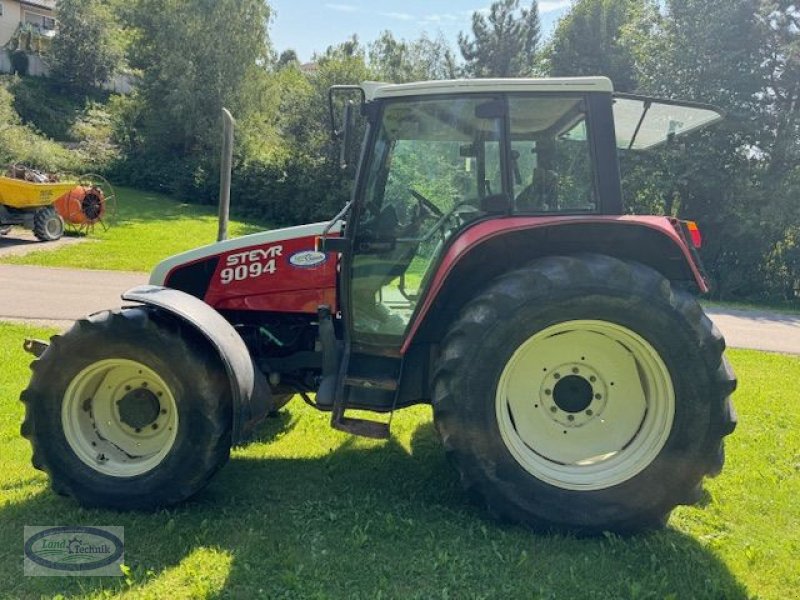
19,62
21,143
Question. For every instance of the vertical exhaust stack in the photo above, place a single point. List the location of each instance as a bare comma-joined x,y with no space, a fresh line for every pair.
225,167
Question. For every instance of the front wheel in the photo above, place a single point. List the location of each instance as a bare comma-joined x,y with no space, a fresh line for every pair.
583,393
128,410
48,226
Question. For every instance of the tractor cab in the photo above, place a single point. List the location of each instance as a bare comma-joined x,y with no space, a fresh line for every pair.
441,157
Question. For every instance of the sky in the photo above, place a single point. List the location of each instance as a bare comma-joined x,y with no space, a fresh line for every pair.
309,26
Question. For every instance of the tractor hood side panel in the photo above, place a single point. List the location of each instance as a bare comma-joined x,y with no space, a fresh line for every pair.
272,271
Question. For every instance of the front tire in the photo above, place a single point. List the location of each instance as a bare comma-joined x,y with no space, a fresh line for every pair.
583,393
48,226
128,410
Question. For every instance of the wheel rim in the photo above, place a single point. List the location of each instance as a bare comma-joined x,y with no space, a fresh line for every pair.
119,417
585,405
54,226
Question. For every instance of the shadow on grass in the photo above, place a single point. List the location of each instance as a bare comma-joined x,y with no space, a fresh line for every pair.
365,520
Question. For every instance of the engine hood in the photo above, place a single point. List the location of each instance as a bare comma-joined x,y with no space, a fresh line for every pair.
162,269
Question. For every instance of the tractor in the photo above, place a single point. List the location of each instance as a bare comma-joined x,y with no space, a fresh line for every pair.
483,265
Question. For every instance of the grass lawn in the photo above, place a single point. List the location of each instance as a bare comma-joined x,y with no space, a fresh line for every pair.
148,228
306,512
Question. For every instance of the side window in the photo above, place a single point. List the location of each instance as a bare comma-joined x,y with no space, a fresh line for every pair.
551,154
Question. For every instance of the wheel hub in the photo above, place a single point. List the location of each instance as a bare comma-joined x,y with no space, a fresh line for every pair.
572,394
138,408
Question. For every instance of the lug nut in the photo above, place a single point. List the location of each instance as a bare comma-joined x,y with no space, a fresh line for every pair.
570,417
127,388
589,413
597,396
556,375
548,392
592,378
155,426
553,409
576,370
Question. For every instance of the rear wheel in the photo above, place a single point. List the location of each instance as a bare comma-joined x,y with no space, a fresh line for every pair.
583,393
128,410
48,225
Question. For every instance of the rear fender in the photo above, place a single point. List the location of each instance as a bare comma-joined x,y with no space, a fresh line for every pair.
492,247
250,392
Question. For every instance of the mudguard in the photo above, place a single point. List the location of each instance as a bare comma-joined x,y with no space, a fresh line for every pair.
250,393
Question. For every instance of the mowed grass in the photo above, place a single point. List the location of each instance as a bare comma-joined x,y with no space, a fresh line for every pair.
148,228
306,512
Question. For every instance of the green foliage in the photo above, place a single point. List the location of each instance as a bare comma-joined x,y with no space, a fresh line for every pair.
19,62
195,57
87,50
590,40
20,143
504,42
399,61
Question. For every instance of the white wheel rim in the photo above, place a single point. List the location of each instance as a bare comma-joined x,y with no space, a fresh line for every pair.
119,417
585,405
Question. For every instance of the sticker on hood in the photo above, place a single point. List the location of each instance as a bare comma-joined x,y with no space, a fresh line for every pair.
307,259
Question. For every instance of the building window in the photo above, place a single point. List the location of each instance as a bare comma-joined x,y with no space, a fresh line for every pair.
40,21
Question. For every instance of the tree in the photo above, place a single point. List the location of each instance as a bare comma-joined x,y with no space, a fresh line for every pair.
504,42
711,51
88,48
286,58
590,40
400,61
196,56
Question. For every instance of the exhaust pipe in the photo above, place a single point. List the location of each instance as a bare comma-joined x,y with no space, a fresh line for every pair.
225,167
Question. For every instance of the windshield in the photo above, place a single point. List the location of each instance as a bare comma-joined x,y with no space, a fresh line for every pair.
642,123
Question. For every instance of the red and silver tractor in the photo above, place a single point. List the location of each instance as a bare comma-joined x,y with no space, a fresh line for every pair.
483,266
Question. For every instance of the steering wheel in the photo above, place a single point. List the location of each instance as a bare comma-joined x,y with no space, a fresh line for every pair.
426,205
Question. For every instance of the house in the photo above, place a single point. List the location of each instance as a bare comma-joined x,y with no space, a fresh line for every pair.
38,14
26,26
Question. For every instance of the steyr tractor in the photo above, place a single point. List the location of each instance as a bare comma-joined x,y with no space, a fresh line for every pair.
483,266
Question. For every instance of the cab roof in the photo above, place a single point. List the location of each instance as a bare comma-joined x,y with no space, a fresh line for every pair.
374,90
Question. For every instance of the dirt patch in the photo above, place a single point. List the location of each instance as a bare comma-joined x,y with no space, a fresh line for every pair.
21,241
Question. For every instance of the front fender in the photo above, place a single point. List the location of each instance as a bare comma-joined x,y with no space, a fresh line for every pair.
250,392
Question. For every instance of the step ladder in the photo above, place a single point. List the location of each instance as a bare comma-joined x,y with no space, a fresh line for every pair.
334,383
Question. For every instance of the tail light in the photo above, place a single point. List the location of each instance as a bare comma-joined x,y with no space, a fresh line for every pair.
694,234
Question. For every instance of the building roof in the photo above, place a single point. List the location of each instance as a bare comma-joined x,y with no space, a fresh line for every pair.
45,4
375,89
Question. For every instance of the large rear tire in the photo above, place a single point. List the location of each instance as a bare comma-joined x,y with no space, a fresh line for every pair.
584,393
128,410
